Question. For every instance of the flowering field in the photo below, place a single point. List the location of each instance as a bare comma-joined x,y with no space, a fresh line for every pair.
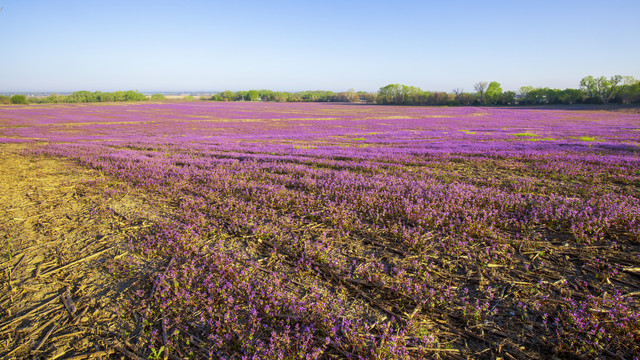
351,231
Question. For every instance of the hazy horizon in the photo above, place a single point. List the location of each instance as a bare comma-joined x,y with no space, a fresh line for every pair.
162,46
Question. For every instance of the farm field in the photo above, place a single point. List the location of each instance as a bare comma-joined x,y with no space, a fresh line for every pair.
311,230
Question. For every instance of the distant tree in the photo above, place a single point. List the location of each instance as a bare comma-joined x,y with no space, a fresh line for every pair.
466,98
319,95
158,97
253,95
266,95
83,96
346,96
324,95
537,96
19,99
453,100
541,96
69,99
601,89
119,95
391,94
367,96
436,98
480,88
571,96
508,98
630,92
312,96
553,96
134,96
295,97
458,94
413,95
228,95
106,97
5,100
188,98
523,94
280,96
352,96
51,99
493,93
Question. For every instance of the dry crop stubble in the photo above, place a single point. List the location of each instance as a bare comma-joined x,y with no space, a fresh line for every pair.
58,234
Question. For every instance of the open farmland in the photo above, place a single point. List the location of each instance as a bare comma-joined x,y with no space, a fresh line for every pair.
272,230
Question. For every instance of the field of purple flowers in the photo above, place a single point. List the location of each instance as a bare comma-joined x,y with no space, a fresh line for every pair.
351,231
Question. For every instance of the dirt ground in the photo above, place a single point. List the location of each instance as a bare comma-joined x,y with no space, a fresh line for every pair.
60,227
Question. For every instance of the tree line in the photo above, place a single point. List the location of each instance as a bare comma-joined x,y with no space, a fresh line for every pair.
593,90
78,97
301,96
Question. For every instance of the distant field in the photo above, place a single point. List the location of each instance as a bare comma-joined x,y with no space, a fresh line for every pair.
311,230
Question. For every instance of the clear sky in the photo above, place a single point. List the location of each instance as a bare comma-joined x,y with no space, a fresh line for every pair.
157,45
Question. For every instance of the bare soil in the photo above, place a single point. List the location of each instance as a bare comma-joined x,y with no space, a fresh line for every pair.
59,230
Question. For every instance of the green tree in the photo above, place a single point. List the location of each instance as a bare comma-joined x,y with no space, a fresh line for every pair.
18,99
281,96
494,92
601,89
537,96
107,97
571,96
367,96
4,100
413,95
119,95
158,97
51,99
391,94
228,95
553,96
294,97
266,95
240,96
134,96
508,98
253,95
320,95
523,94
82,96
630,92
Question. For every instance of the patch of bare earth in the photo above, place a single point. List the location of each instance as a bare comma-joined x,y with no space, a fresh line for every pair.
60,228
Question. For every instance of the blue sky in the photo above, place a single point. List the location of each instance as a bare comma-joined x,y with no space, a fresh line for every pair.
299,45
